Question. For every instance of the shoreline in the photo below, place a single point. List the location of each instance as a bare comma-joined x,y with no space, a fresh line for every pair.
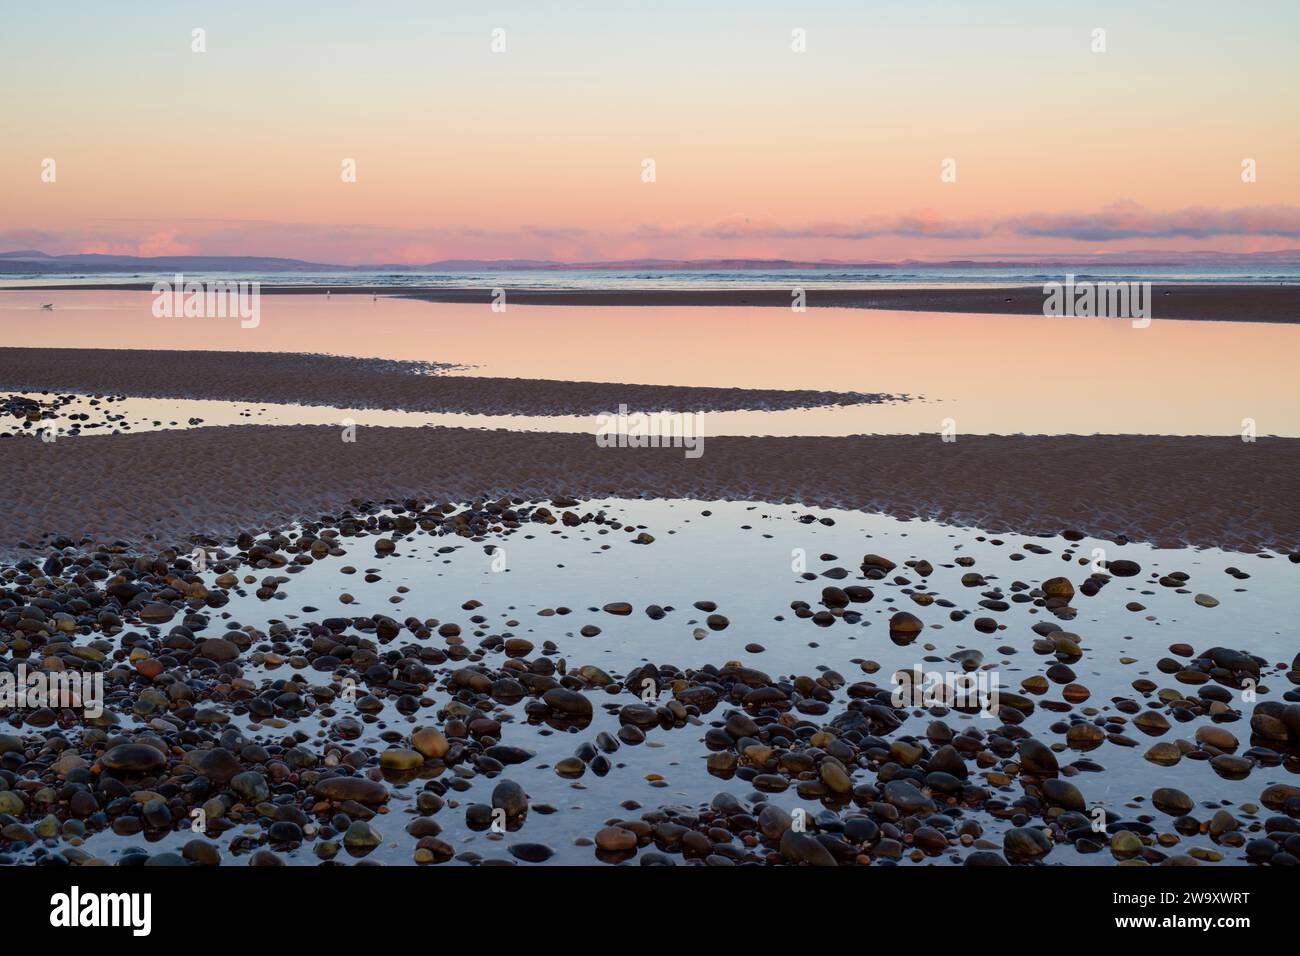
317,379
163,488
1193,302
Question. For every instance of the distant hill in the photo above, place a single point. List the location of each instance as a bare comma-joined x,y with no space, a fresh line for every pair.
32,261
27,261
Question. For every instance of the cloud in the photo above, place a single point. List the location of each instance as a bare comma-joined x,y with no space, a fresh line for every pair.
1121,220
912,226
357,243
1129,220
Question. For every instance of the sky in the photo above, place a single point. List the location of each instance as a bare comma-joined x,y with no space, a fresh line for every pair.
911,129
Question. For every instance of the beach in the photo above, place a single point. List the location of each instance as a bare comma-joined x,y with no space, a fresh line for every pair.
370,383
163,488
524,645
1219,302
638,437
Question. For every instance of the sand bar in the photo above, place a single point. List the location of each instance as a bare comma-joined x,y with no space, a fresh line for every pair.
1237,303
162,487
340,381
1246,302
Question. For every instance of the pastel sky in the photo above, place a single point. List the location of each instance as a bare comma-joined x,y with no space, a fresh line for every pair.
537,151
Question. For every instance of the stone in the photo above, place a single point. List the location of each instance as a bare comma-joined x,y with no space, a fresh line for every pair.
400,759
133,758
1058,588
342,789
1026,844
615,839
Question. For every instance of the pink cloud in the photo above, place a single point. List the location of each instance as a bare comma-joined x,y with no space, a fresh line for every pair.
1251,228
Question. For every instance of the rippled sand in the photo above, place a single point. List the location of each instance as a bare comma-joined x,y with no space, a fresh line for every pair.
166,486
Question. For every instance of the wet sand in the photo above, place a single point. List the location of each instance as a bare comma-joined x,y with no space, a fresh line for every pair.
1239,303
1217,302
313,379
163,487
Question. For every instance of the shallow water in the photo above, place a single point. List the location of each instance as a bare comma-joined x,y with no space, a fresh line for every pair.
745,558
989,374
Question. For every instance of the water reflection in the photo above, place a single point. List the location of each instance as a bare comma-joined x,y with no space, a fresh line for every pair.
988,374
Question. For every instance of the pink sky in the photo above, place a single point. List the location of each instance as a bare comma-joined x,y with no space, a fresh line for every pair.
836,152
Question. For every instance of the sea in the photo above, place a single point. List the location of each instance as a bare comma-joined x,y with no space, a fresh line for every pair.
918,276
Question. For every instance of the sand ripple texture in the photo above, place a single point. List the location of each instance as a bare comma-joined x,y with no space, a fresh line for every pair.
163,487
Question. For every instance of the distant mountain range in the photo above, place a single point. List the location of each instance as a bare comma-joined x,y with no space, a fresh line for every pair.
29,261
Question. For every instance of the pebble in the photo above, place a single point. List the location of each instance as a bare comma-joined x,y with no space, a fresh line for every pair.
1026,844
1171,801
133,758
430,743
615,839
400,759
361,835
359,789
294,764
531,852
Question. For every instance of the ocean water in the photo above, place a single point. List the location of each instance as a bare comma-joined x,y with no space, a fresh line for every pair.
904,276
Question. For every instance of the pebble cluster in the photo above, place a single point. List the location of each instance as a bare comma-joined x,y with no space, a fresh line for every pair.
295,742
70,415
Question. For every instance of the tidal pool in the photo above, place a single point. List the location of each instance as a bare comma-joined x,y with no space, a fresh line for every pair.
753,561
